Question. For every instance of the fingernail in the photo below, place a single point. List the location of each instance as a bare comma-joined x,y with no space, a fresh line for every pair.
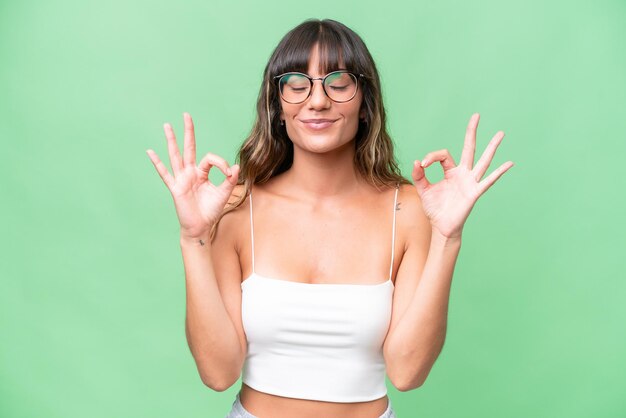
423,163
230,173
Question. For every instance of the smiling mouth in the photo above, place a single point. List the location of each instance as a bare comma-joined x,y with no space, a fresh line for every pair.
317,124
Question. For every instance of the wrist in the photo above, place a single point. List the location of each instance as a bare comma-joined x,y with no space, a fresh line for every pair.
200,240
444,240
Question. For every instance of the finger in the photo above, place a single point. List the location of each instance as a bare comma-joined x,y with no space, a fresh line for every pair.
484,185
467,158
211,160
172,147
419,178
485,159
230,181
161,169
189,152
443,156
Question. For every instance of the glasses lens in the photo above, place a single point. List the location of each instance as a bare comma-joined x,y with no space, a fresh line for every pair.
340,86
294,88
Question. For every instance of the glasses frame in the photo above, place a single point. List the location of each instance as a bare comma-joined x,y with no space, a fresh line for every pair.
357,77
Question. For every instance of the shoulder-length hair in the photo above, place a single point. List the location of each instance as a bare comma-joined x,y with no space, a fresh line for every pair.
268,151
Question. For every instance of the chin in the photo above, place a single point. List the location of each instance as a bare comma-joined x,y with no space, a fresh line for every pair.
322,144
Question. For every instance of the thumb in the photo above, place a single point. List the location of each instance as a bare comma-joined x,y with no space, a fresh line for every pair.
231,180
419,177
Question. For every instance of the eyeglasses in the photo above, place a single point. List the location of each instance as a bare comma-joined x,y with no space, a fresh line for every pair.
340,86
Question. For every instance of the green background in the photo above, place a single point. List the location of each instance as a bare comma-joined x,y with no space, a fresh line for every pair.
92,296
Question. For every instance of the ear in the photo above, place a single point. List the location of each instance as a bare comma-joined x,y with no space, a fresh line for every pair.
362,114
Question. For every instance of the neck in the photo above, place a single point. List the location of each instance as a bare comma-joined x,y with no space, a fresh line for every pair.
323,175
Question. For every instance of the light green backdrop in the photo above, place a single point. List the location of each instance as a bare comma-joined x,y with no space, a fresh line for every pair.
92,293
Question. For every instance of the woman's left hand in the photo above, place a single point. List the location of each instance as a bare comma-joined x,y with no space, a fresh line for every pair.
447,203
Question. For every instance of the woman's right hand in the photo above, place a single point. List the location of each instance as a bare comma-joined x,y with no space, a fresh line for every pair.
199,203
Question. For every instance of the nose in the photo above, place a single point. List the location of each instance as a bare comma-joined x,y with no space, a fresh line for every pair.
318,98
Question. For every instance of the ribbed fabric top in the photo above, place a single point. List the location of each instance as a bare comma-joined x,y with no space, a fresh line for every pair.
316,341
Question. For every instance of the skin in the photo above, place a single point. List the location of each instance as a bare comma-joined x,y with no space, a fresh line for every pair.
321,197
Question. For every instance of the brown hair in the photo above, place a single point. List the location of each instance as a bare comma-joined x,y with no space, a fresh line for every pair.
268,151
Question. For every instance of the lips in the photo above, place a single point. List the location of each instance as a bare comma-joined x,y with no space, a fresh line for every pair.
318,124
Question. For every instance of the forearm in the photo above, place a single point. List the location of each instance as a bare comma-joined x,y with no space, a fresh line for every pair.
211,334
417,340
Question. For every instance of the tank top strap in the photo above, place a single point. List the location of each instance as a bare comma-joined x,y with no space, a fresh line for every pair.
393,229
251,231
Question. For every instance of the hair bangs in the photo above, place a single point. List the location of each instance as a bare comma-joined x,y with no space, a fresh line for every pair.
332,52
336,51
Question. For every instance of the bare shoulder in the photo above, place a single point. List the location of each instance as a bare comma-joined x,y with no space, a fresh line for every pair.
410,211
411,219
229,229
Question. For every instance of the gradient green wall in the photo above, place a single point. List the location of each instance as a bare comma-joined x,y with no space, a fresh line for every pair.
92,293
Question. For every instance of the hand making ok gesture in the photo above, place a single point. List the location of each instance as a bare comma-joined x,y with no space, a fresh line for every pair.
447,203
198,202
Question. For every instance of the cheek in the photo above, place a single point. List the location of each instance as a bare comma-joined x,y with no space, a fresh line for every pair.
352,115
358,106
287,108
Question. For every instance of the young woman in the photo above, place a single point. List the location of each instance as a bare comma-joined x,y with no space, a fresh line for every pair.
315,268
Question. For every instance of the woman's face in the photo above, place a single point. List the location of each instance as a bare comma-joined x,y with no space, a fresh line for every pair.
342,119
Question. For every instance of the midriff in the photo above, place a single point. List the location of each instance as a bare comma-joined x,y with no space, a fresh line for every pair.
265,405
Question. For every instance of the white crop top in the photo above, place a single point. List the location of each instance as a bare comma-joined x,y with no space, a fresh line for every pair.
316,341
